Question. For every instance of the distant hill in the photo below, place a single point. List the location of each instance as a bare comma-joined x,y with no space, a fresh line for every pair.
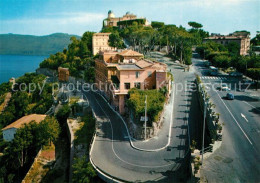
16,44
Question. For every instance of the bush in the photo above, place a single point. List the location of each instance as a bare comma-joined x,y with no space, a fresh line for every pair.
155,103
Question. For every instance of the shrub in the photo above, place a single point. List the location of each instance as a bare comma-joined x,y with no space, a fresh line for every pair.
155,103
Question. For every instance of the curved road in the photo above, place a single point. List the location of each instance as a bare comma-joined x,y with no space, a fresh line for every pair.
113,155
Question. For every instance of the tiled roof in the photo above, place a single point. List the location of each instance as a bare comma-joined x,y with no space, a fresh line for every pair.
130,53
26,120
143,63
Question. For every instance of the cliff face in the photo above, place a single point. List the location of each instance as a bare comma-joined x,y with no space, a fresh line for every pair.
15,44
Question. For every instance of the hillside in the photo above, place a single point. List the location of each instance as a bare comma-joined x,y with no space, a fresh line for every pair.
15,44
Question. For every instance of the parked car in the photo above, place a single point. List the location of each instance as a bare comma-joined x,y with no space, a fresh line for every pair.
230,96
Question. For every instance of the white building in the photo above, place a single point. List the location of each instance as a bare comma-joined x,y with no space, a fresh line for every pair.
10,130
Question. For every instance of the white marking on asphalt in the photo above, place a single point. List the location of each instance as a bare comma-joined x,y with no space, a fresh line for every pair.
114,149
251,105
235,120
243,116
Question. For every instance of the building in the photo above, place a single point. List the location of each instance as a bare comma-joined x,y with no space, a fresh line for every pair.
242,38
127,19
63,74
10,130
100,43
117,72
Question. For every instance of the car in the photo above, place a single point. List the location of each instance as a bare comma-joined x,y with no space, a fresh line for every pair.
230,96
224,87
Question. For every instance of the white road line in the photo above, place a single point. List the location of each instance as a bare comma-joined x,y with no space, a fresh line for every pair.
169,164
243,116
251,106
235,120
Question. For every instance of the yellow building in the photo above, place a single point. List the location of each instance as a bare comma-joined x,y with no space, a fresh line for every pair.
112,21
241,38
100,43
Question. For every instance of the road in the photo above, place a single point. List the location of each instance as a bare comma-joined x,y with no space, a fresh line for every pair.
113,154
238,158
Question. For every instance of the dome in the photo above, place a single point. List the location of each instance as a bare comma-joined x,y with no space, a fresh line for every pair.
111,14
127,13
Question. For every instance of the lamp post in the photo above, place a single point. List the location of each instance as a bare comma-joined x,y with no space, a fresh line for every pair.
204,120
145,118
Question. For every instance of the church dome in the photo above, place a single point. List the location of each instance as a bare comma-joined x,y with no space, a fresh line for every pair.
111,14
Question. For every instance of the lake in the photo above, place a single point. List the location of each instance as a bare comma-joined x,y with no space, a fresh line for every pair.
17,65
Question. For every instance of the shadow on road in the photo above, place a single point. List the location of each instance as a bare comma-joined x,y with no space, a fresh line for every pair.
246,98
255,110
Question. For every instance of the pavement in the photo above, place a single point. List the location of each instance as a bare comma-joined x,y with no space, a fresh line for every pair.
114,155
162,139
237,160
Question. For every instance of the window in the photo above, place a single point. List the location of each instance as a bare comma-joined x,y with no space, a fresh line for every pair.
137,74
127,86
138,85
149,74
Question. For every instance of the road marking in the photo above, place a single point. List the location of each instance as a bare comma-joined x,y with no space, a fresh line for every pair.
251,106
243,116
235,120
112,142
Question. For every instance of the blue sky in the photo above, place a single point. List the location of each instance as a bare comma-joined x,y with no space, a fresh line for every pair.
42,17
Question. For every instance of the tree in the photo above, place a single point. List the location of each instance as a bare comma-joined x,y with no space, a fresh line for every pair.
63,114
49,129
254,73
185,43
23,142
157,25
222,61
195,25
116,41
233,48
83,172
155,102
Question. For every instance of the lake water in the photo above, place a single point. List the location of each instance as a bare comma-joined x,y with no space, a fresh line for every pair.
17,65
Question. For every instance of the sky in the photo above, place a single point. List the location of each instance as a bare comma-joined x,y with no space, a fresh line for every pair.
43,17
